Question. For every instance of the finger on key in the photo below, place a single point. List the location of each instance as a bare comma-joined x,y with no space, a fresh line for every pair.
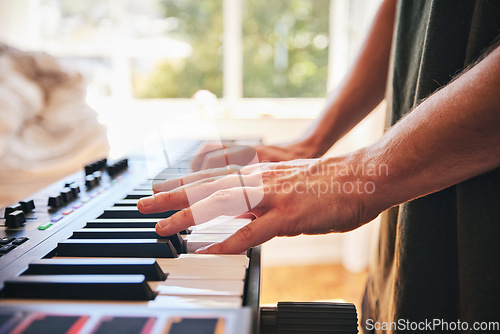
257,232
229,202
164,201
179,182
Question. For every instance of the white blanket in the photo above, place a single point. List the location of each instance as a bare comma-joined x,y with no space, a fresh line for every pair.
47,130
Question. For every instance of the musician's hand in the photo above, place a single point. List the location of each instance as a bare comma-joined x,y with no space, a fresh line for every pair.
215,155
301,196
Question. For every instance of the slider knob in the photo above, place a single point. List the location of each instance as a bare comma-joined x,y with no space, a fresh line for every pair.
90,181
15,219
10,209
66,194
27,206
55,201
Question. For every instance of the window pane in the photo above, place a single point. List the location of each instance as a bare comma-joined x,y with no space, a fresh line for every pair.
285,45
199,24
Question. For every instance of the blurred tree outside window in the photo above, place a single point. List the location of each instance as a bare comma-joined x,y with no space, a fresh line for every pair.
285,50
285,46
198,23
174,48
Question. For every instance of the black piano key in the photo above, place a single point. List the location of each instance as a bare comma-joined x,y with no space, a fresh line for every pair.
139,194
126,223
128,233
157,248
122,223
116,233
132,212
92,287
127,202
97,266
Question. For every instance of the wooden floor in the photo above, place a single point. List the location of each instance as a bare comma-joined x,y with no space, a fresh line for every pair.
312,283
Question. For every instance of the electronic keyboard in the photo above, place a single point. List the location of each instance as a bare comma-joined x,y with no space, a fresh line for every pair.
78,257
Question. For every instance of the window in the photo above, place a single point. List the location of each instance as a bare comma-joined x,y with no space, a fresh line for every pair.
237,49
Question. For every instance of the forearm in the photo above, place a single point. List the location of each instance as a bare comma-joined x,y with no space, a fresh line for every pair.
450,137
361,90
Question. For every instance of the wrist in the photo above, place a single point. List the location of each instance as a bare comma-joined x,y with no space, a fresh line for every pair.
348,183
313,146
366,176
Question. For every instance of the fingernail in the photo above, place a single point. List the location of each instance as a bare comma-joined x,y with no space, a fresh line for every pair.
163,223
146,201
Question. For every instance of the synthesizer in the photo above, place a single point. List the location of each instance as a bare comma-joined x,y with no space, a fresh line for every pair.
78,257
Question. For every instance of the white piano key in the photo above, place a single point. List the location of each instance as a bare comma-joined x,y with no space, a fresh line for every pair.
215,229
198,302
127,202
197,241
206,260
224,220
204,272
147,192
178,287
127,220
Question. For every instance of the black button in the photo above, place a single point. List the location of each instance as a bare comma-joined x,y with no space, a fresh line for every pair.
89,181
15,219
55,201
10,209
75,190
27,206
6,248
97,176
6,240
66,194
20,240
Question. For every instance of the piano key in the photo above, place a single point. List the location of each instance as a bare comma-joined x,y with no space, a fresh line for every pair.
182,287
197,241
148,186
136,194
204,272
132,212
234,260
127,202
226,220
128,233
122,223
98,266
196,302
94,287
116,233
126,223
192,242
220,223
214,229
157,248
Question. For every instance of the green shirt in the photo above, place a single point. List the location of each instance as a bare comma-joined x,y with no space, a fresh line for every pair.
438,256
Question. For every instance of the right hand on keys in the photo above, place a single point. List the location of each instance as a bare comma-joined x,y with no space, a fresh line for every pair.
312,196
